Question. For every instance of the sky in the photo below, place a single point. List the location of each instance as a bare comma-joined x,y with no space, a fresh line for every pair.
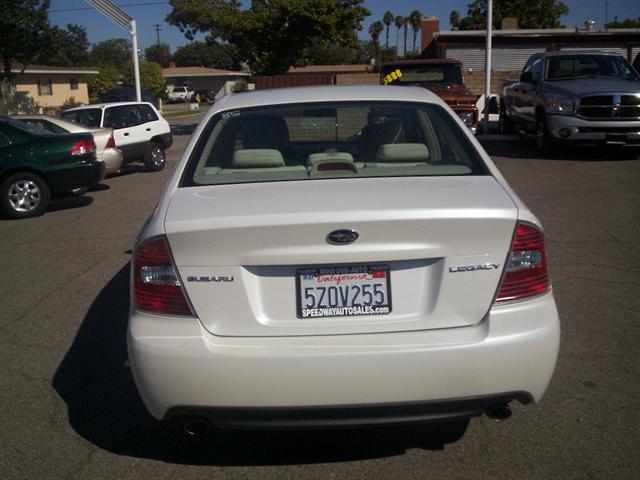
150,12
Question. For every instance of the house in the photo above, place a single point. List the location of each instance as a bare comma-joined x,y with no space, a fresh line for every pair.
201,78
512,47
52,87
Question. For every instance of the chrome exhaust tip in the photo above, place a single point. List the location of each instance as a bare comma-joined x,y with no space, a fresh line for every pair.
499,412
197,427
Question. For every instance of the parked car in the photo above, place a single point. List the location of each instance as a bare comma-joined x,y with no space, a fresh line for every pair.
36,165
106,150
139,130
443,76
296,274
574,97
128,94
180,94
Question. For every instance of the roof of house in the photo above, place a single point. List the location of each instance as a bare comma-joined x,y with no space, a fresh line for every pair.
47,69
548,34
200,72
358,68
423,61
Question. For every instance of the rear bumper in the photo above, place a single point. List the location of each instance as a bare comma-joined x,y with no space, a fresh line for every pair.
77,175
349,415
181,368
112,159
575,130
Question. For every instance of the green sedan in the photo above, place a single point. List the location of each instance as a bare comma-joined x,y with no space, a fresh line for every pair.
36,166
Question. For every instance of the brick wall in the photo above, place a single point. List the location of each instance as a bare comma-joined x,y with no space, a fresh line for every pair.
357,79
475,80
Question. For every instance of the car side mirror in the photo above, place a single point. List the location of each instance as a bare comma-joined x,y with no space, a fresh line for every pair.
527,77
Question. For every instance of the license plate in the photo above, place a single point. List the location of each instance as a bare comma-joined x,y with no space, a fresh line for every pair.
343,291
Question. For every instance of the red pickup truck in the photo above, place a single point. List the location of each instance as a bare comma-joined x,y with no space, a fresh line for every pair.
443,76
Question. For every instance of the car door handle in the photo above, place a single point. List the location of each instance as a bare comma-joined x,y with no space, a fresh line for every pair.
148,129
126,134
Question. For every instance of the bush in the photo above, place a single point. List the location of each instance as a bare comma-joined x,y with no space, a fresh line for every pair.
70,102
240,86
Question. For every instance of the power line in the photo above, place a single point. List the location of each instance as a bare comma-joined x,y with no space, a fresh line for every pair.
123,5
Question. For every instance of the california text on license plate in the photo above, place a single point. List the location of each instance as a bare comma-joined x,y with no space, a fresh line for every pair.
343,291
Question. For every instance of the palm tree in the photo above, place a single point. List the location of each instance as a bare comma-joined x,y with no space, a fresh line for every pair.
398,22
375,29
387,20
454,20
405,25
415,18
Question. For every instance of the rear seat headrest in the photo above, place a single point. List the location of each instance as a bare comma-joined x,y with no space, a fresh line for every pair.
338,156
257,158
402,152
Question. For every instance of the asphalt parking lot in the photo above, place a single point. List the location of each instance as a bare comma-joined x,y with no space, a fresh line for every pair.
70,409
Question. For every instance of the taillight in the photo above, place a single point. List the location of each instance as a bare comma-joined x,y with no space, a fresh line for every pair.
156,283
83,147
526,273
111,143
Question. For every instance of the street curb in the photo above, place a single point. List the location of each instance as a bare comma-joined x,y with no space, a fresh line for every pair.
496,137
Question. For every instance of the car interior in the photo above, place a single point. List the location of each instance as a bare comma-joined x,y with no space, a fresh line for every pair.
295,142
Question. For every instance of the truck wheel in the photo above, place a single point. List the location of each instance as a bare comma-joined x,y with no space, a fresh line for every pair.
505,124
544,141
156,158
24,195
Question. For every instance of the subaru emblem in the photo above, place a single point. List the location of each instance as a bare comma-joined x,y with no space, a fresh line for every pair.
342,237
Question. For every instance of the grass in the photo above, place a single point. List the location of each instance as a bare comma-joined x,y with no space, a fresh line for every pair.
181,114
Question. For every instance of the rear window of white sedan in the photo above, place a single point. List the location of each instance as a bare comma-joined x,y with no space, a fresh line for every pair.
339,140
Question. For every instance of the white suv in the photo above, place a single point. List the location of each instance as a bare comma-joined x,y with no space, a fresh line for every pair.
139,130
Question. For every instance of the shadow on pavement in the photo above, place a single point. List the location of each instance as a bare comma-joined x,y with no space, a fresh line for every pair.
65,203
526,149
104,408
178,129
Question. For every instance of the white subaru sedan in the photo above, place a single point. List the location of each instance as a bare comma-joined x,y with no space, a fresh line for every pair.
338,256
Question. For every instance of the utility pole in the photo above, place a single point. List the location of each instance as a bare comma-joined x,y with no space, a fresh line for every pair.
157,29
487,66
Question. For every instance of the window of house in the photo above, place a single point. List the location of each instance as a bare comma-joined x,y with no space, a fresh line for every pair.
73,83
45,87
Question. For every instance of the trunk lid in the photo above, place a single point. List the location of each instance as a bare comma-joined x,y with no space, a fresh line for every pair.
237,249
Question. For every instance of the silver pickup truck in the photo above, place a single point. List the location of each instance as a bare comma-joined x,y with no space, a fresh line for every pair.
576,97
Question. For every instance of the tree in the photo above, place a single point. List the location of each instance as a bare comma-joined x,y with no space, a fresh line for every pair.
159,53
405,26
210,55
64,47
454,20
387,20
150,77
23,24
626,23
322,52
398,22
538,14
270,35
105,80
375,29
415,18
115,52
